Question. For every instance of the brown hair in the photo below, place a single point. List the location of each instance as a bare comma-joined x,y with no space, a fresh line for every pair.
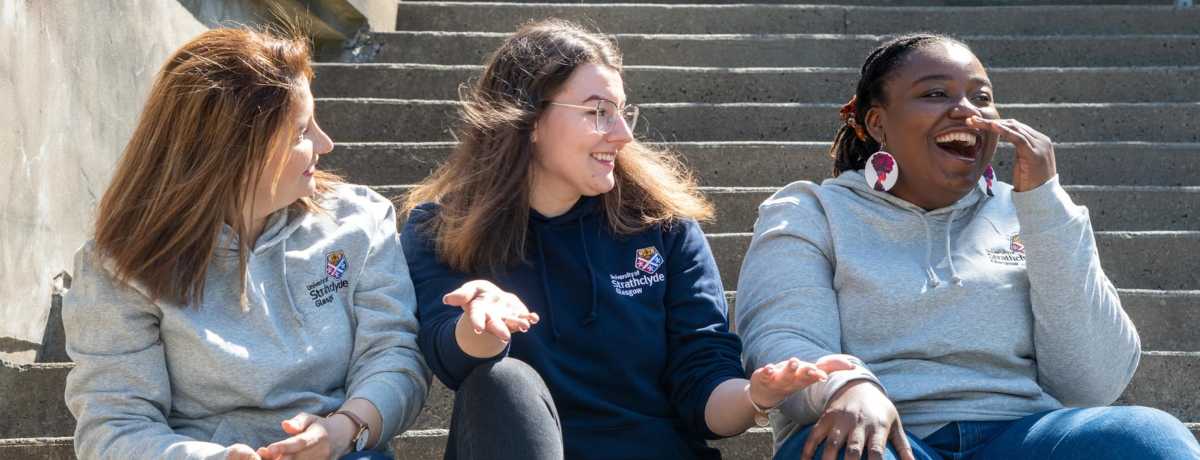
483,189
217,114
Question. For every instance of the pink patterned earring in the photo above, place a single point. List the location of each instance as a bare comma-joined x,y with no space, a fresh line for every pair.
882,171
989,176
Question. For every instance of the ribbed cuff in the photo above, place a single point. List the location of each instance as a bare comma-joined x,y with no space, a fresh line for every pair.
1045,207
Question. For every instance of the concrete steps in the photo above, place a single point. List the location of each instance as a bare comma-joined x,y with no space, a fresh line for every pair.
731,164
1132,260
409,120
971,3
1163,380
1159,208
1113,82
805,50
808,19
773,84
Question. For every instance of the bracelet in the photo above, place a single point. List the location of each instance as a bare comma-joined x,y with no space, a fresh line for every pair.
760,413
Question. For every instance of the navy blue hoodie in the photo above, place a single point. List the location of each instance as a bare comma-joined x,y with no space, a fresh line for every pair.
633,335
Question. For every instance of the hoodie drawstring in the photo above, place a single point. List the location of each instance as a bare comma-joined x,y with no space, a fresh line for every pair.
930,274
537,238
950,255
587,260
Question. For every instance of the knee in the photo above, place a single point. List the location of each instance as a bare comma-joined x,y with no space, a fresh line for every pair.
1137,428
506,376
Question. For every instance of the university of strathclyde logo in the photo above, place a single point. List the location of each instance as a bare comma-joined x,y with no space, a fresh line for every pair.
648,260
335,264
1015,244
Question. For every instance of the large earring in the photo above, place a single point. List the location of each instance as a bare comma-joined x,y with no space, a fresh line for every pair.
882,171
989,176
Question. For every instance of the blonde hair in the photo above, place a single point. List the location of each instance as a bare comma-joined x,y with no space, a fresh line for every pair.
217,114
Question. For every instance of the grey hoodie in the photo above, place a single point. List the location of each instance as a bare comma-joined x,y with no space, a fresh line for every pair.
992,308
331,317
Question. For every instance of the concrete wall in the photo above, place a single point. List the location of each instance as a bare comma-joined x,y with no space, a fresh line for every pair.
73,78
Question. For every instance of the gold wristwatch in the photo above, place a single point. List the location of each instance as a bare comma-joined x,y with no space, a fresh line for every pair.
362,433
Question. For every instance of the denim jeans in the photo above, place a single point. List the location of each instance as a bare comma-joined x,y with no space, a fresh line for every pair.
1098,433
366,455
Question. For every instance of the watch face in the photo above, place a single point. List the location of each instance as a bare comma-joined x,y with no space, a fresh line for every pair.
361,442
761,419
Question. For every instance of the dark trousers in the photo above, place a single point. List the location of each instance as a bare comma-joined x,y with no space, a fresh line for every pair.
504,410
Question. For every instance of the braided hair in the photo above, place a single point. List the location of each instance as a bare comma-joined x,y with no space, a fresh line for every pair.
852,144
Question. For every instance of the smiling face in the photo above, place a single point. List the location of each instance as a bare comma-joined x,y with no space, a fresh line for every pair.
571,158
296,166
923,124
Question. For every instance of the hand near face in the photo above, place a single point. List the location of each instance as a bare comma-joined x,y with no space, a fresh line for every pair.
490,309
772,383
1035,152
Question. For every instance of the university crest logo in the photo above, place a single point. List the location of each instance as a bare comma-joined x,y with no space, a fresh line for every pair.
335,264
648,260
1015,244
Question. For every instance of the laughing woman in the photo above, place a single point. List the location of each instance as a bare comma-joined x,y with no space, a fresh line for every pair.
565,290
238,303
988,328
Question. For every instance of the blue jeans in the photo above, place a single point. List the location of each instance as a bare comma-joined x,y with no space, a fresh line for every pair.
366,455
1098,433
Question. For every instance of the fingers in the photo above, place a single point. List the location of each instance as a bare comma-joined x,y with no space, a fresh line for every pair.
900,442
299,423
834,442
242,452
1003,128
467,292
834,363
855,443
297,443
815,437
496,327
877,444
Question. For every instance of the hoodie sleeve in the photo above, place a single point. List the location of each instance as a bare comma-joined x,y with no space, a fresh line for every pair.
786,304
433,280
386,366
702,352
1076,309
119,390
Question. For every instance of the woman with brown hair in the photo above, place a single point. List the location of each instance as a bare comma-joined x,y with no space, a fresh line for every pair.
236,302
564,287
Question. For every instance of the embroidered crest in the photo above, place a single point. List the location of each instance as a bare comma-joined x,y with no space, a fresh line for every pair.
648,260
1015,244
335,264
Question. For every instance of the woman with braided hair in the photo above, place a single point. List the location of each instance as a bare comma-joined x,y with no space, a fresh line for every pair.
984,323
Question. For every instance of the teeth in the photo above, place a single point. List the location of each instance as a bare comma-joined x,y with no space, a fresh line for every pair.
604,156
956,137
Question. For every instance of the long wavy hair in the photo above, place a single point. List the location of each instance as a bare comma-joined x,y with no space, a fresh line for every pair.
484,187
217,114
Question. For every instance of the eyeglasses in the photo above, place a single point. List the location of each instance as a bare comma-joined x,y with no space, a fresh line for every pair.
606,113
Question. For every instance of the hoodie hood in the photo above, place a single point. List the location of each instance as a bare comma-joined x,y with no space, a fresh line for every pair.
280,225
968,204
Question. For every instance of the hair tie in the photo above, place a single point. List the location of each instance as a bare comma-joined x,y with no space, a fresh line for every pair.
848,117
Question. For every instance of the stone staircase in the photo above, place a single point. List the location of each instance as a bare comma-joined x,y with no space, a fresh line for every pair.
748,95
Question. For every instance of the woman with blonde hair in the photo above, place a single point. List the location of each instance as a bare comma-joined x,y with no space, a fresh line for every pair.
564,287
236,301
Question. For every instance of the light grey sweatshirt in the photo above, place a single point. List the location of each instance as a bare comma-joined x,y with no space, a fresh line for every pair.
992,308
331,317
